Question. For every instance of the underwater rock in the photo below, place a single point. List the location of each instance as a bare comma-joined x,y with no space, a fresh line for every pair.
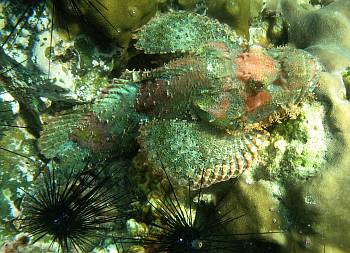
260,204
19,244
321,209
313,200
291,154
105,20
135,228
330,190
324,32
189,4
23,86
269,28
68,71
19,162
118,19
37,61
75,66
236,13
346,81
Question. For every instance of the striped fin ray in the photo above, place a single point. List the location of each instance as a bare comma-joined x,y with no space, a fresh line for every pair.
57,130
186,149
116,100
237,158
115,108
107,126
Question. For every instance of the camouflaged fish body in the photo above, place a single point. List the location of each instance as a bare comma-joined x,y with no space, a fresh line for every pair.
107,127
197,152
203,114
208,88
183,32
209,108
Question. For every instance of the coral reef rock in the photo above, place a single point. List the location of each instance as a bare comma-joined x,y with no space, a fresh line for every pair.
324,32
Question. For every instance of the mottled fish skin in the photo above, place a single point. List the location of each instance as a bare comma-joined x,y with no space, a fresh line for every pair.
218,97
189,149
176,89
180,32
107,127
223,91
203,114
230,89
57,129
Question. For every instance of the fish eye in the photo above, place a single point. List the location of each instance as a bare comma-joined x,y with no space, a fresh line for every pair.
197,244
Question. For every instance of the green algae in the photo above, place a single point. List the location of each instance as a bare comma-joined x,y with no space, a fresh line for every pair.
346,80
291,153
236,13
16,172
118,19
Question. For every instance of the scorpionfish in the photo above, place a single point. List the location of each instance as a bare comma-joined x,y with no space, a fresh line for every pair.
202,116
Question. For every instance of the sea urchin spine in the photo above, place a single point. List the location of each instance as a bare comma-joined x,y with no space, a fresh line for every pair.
74,213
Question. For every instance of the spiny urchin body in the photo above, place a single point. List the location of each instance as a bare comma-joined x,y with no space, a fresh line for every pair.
195,226
73,211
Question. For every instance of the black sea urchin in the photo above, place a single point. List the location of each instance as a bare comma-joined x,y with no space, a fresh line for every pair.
198,228
76,213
